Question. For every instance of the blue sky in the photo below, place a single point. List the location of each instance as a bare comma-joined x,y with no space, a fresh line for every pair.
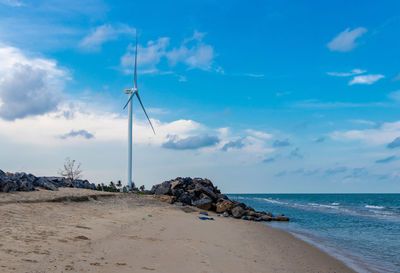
267,96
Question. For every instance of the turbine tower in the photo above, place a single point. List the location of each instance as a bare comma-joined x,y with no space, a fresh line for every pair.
132,92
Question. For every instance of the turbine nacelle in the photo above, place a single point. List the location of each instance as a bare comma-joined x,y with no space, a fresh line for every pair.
130,91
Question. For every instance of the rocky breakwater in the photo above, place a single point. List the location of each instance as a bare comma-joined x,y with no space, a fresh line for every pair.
203,194
21,181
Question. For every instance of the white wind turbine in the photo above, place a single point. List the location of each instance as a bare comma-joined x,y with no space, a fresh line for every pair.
132,92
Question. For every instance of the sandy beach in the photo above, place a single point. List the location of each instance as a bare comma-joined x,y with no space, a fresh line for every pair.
135,233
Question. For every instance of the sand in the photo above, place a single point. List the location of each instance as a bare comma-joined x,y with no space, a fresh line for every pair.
133,233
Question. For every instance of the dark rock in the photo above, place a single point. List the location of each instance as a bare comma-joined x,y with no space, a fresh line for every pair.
45,184
7,185
238,212
266,218
185,199
2,173
163,188
203,203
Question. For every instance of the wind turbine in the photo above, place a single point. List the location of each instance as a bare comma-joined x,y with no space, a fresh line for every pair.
132,92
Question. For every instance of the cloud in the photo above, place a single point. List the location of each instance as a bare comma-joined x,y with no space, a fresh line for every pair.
281,143
394,144
363,122
346,40
258,134
28,86
387,159
82,133
269,160
234,144
397,78
190,143
105,33
319,139
357,173
295,153
384,134
193,52
394,95
347,74
12,3
366,79
336,170
281,173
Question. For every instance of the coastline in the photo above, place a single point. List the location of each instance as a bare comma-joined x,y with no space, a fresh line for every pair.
133,233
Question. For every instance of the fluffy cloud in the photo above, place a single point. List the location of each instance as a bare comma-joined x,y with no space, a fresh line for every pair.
105,33
81,133
346,40
193,52
12,3
377,136
234,144
28,86
366,79
191,143
336,170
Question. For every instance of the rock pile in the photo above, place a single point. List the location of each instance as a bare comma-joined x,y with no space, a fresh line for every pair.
203,194
28,182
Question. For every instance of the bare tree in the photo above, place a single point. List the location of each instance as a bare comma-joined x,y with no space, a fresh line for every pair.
72,170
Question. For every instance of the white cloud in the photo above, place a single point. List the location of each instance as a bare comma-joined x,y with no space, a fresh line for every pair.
347,74
193,53
255,75
259,134
346,40
366,79
378,136
149,56
105,33
28,86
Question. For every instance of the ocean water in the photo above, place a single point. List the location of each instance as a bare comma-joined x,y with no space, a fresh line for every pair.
362,230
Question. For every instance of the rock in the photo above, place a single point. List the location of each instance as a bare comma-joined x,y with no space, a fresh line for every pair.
238,212
2,173
207,192
7,185
269,214
257,219
203,203
223,206
45,184
281,218
252,213
225,214
185,199
162,189
266,218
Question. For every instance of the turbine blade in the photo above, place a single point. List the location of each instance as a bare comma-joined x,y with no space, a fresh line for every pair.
130,98
135,76
140,101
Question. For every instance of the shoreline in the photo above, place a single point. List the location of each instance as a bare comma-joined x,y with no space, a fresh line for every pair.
131,233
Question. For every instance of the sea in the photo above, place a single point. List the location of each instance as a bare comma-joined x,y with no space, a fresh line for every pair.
362,230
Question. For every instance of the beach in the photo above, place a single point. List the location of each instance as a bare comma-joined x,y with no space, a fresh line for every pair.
136,233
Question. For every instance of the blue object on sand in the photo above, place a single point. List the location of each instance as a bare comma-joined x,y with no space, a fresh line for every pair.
204,212
205,218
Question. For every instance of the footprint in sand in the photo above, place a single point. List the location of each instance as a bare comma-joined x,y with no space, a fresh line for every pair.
148,268
81,237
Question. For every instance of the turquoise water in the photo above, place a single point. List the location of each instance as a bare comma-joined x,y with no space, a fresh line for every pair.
363,230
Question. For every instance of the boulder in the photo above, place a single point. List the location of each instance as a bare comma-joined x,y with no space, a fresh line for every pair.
206,191
185,199
204,203
2,173
238,212
266,218
7,185
45,184
281,218
223,206
162,189
225,214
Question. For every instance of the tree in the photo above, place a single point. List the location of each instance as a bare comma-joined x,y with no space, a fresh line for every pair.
119,184
141,188
72,170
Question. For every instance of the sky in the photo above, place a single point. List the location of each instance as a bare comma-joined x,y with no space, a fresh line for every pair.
260,97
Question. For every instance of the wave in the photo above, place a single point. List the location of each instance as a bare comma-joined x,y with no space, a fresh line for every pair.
374,207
